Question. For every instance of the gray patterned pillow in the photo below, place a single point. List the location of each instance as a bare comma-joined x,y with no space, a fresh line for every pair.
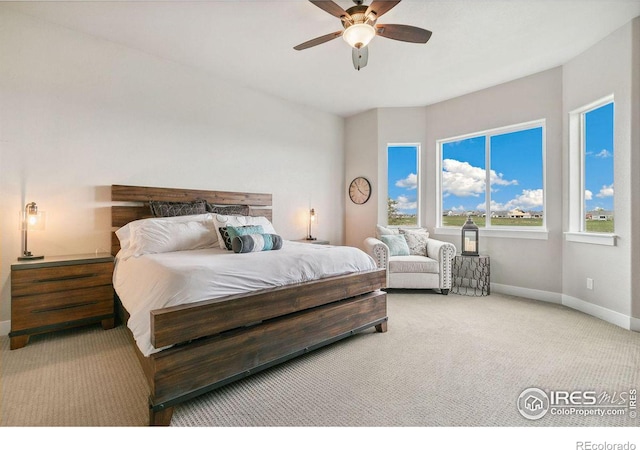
172,209
416,240
228,210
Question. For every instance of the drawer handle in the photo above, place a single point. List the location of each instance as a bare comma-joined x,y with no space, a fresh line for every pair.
59,308
69,277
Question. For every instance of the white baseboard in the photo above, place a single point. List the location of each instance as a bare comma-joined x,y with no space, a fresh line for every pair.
635,324
534,294
608,315
5,327
600,312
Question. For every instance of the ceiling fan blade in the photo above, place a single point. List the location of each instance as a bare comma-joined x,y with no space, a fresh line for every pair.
318,40
360,57
331,7
380,7
405,33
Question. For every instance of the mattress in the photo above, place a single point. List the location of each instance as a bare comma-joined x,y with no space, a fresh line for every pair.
156,281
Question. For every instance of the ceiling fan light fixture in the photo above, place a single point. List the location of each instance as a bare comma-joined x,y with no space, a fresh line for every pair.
359,35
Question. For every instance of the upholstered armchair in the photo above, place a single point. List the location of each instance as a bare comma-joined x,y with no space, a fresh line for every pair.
412,259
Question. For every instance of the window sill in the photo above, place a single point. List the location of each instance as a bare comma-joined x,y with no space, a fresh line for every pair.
510,233
608,239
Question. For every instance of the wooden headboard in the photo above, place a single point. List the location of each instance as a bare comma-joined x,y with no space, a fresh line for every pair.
137,203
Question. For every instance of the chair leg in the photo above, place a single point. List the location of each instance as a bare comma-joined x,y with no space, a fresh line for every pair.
444,291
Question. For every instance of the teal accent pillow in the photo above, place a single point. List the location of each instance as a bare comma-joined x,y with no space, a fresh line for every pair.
232,232
397,244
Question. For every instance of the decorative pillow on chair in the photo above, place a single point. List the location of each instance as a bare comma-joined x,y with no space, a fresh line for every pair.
228,233
173,209
397,244
416,240
381,231
256,243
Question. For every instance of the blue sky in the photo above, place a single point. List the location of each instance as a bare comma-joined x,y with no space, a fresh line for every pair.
403,180
516,172
516,169
599,158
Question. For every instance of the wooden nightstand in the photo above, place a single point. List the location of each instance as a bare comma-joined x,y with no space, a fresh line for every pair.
60,292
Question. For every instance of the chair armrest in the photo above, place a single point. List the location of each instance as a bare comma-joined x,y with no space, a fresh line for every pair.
440,251
378,250
443,252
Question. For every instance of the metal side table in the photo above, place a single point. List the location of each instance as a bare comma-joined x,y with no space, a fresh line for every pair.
471,275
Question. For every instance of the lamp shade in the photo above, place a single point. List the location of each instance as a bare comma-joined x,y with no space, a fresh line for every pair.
470,238
359,35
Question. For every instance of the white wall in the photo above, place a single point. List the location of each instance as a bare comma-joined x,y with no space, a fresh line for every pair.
360,138
526,263
635,169
604,69
78,114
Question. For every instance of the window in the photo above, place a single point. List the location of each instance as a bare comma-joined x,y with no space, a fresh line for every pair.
402,189
591,175
497,177
597,156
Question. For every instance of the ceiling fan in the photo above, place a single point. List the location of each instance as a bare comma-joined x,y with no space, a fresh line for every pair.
360,27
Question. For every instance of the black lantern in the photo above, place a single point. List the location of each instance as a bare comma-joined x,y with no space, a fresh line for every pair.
470,238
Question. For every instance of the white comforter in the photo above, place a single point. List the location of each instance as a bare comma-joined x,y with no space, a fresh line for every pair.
155,281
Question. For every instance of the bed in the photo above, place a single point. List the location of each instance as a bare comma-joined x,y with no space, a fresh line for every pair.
195,347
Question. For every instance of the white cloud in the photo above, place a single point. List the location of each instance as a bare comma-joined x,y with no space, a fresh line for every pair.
528,200
588,195
411,182
604,153
405,204
606,191
464,180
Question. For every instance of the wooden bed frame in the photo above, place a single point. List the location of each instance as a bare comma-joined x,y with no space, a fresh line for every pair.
216,342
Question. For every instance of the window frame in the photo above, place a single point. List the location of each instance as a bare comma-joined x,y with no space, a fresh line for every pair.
417,146
577,205
521,232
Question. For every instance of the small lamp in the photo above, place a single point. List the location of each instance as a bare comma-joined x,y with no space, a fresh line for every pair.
470,238
31,220
313,218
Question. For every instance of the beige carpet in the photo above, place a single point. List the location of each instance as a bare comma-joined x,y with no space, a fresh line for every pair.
445,361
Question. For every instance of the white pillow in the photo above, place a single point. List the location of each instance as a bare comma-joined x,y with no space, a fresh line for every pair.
381,231
166,234
222,221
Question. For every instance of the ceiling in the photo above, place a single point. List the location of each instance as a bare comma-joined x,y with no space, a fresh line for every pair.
475,43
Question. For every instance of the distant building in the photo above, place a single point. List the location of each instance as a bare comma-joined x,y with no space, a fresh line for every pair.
599,214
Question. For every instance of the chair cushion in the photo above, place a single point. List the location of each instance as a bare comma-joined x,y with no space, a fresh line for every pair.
413,264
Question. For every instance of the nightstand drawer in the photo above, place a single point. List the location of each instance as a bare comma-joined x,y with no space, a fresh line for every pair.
62,278
58,307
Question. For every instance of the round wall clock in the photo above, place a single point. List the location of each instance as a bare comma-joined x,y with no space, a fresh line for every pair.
359,190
